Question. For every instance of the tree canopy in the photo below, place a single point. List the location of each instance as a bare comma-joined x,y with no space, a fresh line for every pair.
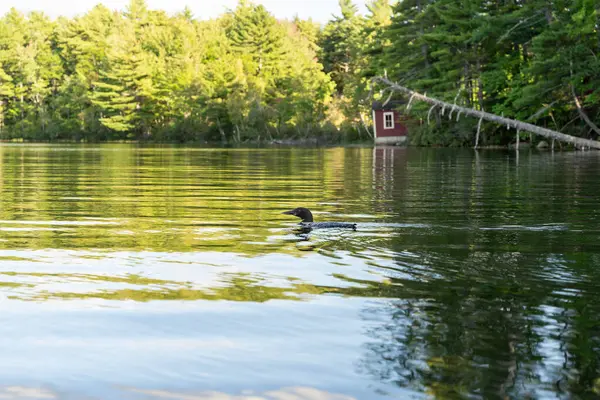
532,61
144,74
141,73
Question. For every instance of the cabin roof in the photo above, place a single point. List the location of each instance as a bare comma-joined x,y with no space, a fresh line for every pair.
391,105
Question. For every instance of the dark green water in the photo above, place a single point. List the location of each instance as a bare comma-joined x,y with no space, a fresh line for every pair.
152,273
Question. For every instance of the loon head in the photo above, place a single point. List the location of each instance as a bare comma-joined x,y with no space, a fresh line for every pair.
301,212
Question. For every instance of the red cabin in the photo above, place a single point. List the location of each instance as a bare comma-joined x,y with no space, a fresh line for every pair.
388,123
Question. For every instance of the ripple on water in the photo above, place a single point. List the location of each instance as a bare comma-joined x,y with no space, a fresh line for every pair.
471,275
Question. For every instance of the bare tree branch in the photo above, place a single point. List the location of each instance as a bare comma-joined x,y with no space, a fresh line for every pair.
429,113
521,126
478,130
362,119
541,111
388,99
508,32
582,113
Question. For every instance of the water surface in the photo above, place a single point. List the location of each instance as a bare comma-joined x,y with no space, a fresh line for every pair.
131,272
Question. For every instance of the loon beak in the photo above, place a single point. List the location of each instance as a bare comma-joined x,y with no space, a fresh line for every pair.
291,212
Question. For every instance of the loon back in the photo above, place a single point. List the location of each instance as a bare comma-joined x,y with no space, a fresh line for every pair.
307,220
325,225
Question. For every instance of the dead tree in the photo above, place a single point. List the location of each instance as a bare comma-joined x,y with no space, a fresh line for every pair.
482,115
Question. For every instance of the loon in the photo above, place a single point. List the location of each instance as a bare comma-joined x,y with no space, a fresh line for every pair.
307,220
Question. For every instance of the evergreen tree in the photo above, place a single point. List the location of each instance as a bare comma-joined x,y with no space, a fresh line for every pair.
380,12
122,89
142,73
309,30
339,44
348,9
409,55
256,37
83,44
137,11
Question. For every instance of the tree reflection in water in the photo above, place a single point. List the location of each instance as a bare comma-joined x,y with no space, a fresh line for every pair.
480,272
491,309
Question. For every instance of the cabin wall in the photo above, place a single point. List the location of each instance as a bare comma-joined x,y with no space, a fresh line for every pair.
399,126
391,140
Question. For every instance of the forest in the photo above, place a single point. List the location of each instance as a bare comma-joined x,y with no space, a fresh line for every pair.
142,74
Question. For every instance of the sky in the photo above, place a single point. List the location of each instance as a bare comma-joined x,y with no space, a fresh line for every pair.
319,10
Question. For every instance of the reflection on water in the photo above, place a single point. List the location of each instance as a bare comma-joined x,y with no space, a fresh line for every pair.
306,393
167,272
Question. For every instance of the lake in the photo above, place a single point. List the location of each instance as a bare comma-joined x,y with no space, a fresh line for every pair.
165,272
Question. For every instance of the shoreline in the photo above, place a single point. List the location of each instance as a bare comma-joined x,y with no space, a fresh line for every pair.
299,143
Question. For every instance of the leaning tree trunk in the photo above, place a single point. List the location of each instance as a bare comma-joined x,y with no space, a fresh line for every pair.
482,115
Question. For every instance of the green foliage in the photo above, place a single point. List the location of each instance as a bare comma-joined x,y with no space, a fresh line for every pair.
340,43
524,60
348,9
380,12
142,74
351,48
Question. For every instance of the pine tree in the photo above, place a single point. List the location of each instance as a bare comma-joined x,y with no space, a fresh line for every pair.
340,42
409,56
122,89
380,12
309,30
565,69
348,9
6,92
368,61
256,36
137,10
187,14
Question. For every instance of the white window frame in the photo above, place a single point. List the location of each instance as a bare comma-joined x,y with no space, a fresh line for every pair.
391,114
